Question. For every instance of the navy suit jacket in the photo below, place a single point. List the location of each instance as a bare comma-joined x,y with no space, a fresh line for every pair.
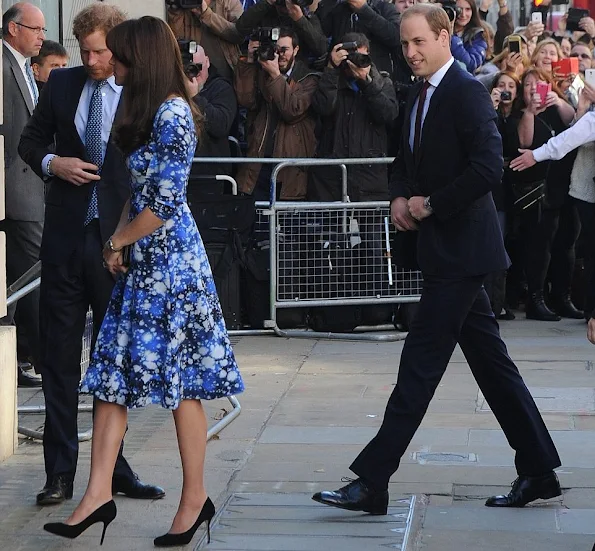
459,163
66,204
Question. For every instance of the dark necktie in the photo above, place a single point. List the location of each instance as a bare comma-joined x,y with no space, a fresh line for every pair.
32,83
419,117
93,143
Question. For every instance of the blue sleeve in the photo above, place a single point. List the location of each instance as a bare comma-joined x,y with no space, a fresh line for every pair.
472,54
168,169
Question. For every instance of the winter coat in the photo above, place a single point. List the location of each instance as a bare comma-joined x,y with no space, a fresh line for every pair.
219,19
353,124
313,43
294,134
378,20
470,50
217,100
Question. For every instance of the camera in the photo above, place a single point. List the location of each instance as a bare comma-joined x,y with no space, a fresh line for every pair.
574,17
184,4
451,8
188,49
505,96
267,38
357,58
301,3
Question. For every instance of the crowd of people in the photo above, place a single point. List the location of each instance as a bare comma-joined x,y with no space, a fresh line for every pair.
291,79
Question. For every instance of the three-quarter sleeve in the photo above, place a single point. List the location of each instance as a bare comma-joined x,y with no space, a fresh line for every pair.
168,169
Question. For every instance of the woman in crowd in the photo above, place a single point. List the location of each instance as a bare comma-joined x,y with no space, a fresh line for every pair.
549,225
163,339
504,91
468,43
511,62
546,52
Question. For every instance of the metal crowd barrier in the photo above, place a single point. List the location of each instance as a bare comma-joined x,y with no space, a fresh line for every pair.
302,233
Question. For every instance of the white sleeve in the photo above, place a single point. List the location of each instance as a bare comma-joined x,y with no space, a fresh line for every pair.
557,147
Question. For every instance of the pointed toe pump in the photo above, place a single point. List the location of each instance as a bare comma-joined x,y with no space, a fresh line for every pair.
106,513
171,540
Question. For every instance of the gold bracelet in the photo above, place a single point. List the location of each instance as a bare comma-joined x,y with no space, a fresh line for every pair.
110,244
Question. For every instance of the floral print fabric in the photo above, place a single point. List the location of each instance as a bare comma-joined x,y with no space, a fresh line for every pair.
163,338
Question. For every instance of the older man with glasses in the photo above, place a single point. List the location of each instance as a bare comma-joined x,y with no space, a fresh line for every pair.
23,27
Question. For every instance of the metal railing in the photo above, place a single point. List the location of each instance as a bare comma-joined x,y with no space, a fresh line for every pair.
274,213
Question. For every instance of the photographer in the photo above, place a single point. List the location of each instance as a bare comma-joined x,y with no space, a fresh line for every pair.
217,100
277,90
376,19
291,14
356,103
213,27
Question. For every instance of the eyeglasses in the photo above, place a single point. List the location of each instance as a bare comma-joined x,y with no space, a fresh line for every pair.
36,30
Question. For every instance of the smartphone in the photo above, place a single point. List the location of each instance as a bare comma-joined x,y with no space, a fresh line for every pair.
590,77
536,17
543,88
514,44
574,16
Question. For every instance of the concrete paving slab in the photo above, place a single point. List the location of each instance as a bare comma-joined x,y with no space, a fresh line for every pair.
577,521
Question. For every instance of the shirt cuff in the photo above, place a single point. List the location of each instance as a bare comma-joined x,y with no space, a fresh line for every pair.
540,154
44,163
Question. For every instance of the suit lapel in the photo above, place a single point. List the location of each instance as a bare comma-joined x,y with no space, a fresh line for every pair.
435,100
20,78
72,99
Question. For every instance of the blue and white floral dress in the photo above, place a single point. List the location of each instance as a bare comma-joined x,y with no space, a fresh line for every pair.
163,338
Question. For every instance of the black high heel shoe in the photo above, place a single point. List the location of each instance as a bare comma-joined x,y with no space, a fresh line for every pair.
106,513
171,540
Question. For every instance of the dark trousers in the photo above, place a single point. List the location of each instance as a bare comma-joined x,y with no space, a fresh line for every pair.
455,311
23,242
67,291
549,247
586,212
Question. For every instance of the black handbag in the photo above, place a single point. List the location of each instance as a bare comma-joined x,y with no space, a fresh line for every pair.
527,194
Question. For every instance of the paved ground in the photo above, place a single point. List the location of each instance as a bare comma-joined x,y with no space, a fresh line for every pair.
309,408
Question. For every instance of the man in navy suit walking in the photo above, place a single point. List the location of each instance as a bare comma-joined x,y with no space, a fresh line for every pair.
449,160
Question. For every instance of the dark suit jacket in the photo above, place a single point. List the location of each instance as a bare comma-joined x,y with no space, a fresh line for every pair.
66,204
24,189
460,162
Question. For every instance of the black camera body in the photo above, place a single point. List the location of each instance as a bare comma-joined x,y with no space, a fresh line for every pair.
357,58
184,4
188,49
451,8
574,17
267,38
505,96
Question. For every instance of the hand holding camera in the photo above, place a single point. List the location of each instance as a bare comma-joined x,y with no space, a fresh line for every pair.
293,10
496,97
587,24
253,46
271,66
513,60
338,56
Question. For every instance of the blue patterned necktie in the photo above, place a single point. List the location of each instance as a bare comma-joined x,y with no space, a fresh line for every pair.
31,80
93,143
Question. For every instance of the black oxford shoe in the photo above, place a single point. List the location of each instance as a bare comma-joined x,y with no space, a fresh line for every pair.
356,496
132,487
526,489
55,491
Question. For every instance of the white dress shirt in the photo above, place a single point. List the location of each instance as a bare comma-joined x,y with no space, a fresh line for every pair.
434,81
582,132
22,61
111,97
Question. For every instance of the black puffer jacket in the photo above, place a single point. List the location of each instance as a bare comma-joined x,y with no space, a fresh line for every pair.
378,20
354,121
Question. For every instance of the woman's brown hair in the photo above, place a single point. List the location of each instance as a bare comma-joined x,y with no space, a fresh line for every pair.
520,99
148,48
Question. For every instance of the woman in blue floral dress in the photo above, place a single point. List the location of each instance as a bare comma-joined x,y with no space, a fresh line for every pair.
163,339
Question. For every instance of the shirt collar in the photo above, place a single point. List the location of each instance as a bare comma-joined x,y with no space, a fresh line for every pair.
287,75
21,59
112,83
437,77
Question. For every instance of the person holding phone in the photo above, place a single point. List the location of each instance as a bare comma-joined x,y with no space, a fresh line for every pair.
580,136
514,58
548,223
468,43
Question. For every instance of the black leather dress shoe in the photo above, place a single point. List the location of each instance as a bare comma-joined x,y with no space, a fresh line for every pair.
134,488
56,490
526,489
356,496
27,378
